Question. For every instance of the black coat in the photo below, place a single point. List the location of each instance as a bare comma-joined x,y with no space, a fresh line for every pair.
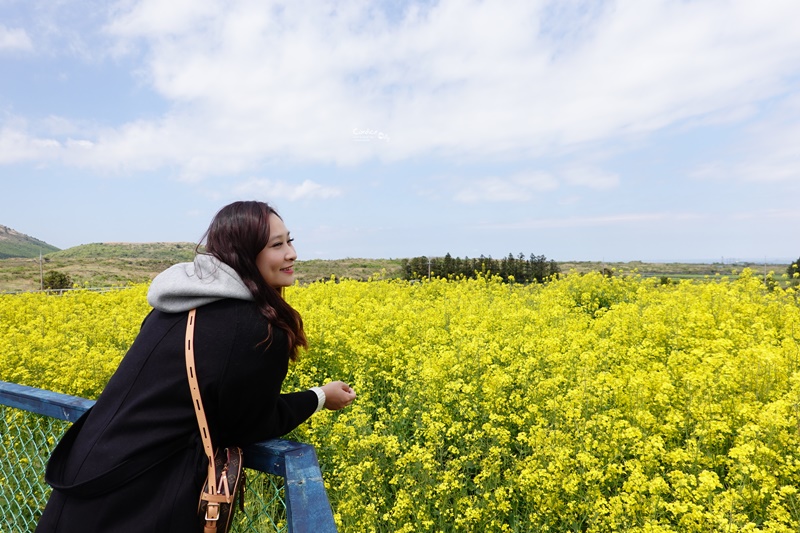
135,461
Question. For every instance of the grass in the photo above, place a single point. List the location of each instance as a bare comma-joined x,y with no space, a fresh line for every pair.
350,268
672,270
118,264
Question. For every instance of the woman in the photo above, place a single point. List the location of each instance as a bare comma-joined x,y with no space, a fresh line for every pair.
135,461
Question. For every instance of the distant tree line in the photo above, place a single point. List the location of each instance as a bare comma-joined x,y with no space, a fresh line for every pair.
535,268
793,271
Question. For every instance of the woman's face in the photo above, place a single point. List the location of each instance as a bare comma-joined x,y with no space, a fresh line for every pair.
276,260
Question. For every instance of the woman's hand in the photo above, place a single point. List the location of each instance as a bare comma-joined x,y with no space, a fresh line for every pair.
338,395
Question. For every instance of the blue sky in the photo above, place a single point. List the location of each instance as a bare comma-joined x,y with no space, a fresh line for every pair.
581,130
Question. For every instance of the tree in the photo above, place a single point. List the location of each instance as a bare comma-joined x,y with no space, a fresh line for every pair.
538,268
535,269
448,267
794,271
57,280
555,270
416,267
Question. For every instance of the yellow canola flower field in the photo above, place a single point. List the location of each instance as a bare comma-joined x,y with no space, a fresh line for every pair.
588,403
70,343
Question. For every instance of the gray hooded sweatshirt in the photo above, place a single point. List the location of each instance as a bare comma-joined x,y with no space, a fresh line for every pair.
188,285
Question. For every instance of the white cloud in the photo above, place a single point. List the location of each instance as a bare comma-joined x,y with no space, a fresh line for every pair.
14,39
524,187
710,171
622,219
518,188
586,176
275,189
769,214
155,19
769,151
80,143
773,151
18,146
249,80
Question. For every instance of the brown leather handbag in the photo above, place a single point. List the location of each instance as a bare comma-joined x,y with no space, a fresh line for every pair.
218,498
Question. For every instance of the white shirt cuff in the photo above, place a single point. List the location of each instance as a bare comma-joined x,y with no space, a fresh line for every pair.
320,398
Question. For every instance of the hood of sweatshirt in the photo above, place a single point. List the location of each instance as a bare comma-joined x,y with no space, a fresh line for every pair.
188,285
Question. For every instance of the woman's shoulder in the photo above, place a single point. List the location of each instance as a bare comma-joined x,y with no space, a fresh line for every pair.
242,314
231,310
232,304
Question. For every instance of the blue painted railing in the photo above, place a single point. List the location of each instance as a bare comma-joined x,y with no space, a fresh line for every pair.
307,507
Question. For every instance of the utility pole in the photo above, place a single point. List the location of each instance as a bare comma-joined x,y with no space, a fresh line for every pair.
41,271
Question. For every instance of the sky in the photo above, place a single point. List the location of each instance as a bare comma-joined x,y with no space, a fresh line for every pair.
648,130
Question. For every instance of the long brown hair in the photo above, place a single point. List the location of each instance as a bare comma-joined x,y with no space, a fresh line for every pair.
236,235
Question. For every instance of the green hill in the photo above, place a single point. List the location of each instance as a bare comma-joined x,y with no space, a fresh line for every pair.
157,251
95,265
16,244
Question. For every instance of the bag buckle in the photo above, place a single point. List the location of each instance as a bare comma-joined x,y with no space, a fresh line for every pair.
212,515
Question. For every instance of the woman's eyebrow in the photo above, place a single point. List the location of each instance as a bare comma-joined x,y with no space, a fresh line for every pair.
279,237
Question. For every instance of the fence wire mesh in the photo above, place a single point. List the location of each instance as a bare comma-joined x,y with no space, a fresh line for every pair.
26,440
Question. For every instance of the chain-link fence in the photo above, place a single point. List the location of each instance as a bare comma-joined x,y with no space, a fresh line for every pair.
27,439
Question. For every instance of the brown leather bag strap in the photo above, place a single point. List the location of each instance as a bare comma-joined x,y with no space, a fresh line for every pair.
198,401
